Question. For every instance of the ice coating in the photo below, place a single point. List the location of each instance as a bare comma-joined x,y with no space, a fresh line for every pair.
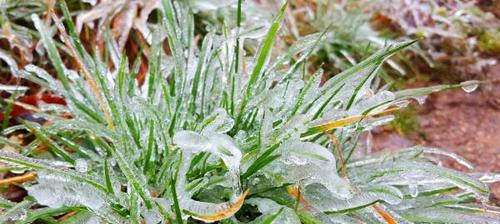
221,146
309,163
56,191
218,122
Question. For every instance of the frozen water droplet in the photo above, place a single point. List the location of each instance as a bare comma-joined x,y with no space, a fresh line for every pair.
20,214
469,86
413,190
81,165
151,217
420,99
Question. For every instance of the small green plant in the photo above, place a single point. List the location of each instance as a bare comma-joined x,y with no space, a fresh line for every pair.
206,139
489,41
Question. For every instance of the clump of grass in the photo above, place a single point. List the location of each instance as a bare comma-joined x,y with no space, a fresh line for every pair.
212,131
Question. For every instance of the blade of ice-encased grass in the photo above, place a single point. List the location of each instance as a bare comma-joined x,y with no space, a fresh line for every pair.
261,60
107,177
237,48
173,122
110,54
307,42
318,113
133,207
339,123
48,213
52,146
307,218
167,97
5,215
52,51
132,127
71,145
164,213
227,211
474,185
236,62
265,50
28,74
154,66
202,60
302,59
120,77
5,204
173,39
74,35
264,159
376,58
75,217
177,209
162,177
178,79
126,168
10,143
39,165
8,110
370,75
445,215
149,149
300,98
270,219
100,72
408,93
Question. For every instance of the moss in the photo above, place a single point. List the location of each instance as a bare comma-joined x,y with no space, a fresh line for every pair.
489,42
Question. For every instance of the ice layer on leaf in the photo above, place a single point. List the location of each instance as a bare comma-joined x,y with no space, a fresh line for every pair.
221,146
309,163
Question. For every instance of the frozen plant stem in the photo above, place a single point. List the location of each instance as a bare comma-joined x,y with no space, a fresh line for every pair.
339,152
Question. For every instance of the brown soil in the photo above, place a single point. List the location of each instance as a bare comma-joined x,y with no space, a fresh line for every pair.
467,124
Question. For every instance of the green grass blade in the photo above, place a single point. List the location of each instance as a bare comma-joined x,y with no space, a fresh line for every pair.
177,209
270,219
45,165
54,147
54,56
265,50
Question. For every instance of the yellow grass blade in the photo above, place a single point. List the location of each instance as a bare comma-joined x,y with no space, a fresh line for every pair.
18,179
226,213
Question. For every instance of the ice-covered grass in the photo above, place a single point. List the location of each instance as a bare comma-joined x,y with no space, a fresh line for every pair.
216,134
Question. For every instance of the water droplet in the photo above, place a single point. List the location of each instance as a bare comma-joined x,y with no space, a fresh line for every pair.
81,165
413,190
469,86
420,99
20,214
